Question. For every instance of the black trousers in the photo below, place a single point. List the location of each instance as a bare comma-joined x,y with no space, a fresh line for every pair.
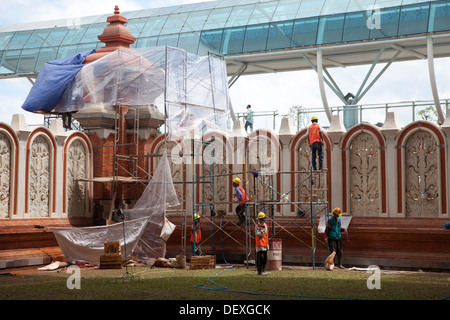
336,246
240,211
261,260
316,149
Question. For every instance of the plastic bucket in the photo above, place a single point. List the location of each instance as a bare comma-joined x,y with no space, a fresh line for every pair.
274,256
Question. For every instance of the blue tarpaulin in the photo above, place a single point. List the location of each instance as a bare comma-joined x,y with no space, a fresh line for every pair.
52,81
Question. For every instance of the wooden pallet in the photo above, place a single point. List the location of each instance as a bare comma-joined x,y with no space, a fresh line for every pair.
110,262
202,262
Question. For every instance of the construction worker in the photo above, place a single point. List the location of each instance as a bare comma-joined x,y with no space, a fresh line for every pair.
315,138
241,198
262,244
333,233
196,235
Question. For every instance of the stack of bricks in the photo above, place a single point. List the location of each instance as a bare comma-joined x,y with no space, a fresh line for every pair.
202,262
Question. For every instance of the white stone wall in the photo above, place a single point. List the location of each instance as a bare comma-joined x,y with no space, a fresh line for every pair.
369,171
40,171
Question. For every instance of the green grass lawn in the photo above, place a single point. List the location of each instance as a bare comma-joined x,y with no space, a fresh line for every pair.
222,284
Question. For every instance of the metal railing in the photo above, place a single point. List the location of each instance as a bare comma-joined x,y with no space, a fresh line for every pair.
407,112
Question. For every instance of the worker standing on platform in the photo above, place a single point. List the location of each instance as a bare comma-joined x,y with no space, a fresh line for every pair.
196,235
315,138
249,118
241,198
262,244
333,233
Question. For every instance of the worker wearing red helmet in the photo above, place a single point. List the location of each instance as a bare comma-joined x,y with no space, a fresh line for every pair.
333,233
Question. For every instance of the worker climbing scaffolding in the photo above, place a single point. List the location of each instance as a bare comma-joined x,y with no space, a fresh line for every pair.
241,198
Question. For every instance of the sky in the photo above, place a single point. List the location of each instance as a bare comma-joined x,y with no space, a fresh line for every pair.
403,81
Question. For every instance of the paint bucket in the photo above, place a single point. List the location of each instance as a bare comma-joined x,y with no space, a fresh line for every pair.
274,256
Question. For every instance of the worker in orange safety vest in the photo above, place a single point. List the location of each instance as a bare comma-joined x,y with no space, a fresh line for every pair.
196,235
315,138
261,244
241,198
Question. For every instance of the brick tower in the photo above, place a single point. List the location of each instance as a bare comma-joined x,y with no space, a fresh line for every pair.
102,125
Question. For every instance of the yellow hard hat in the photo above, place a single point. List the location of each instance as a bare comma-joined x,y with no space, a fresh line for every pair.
237,180
196,216
314,118
337,211
261,215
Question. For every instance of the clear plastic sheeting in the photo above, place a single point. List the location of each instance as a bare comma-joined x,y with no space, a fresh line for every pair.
158,196
191,90
87,244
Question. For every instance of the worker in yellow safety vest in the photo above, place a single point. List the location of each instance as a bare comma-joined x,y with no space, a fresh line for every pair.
261,244
241,198
315,138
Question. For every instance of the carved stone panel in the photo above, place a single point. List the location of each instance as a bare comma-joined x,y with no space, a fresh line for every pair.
263,154
5,175
213,176
421,175
303,177
76,191
39,178
364,176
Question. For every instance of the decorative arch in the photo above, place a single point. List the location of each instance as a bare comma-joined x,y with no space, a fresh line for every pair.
40,181
8,171
421,170
258,151
364,158
300,152
77,165
222,168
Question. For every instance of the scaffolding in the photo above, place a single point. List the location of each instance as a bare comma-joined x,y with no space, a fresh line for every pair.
172,86
265,198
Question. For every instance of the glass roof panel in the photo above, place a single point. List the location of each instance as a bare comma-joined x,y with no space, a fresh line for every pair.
286,10
195,21
46,54
240,15
357,5
174,23
217,18
74,35
263,12
310,8
136,26
37,38
56,36
19,40
334,7
154,26
11,59
5,38
93,32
